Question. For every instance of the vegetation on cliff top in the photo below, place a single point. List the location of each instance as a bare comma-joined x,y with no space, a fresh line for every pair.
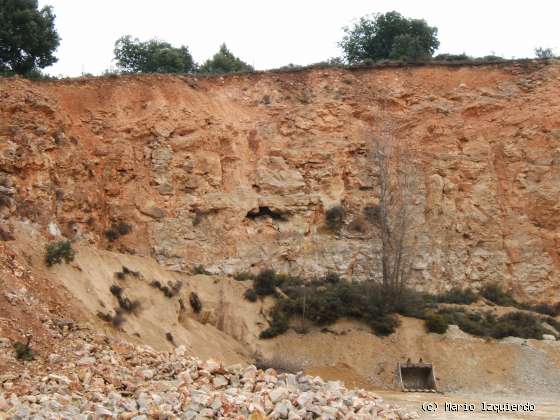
28,37
224,62
389,36
153,56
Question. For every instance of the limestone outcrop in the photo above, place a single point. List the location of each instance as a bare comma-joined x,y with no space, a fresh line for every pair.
236,173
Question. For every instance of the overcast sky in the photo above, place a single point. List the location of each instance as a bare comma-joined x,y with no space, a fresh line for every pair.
270,34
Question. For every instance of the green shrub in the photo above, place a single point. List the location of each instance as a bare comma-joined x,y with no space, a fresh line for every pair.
371,213
198,217
552,322
481,325
430,300
152,56
518,324
544,53
490,58
195,302
125,304
111,234
385,324
332,277
459,296
320,308
408,302
495,293
176,287
127,271
273,331
58,251
452,57
168,291
250,295
107,317
323,301
118,229
278,325
515,324
224,62
5,200
389,35
436,324
23,351
116,320
265,283
243,275
156,284
547,309
128,306
199,269
334,217
116,290
288,281
122,228
470,322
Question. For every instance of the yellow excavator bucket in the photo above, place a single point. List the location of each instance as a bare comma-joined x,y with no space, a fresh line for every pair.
416,377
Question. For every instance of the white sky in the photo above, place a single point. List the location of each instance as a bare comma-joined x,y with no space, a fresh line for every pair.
270,34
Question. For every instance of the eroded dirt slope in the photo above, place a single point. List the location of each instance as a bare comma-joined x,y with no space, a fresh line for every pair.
52,302
39,298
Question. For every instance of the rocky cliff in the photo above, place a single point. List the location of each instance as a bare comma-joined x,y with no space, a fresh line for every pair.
236,172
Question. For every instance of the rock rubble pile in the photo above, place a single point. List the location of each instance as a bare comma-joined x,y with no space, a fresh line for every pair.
97,377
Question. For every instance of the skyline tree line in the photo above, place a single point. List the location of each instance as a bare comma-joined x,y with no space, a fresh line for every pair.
28,40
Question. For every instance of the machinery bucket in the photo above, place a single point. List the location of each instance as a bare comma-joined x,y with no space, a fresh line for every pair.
417,377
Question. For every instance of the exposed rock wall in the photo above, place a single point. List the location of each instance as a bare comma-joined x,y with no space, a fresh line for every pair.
237,172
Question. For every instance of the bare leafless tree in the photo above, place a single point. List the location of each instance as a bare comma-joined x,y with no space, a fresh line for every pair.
392,215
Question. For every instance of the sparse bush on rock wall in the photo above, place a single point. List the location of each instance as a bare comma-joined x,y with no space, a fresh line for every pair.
250,295
199,269
243,275
117,229
495,293
116,320
23,351
551,310
195,302
459,296
59,251
334,217
265,283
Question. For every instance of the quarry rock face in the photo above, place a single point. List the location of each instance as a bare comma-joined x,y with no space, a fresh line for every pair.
236,172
